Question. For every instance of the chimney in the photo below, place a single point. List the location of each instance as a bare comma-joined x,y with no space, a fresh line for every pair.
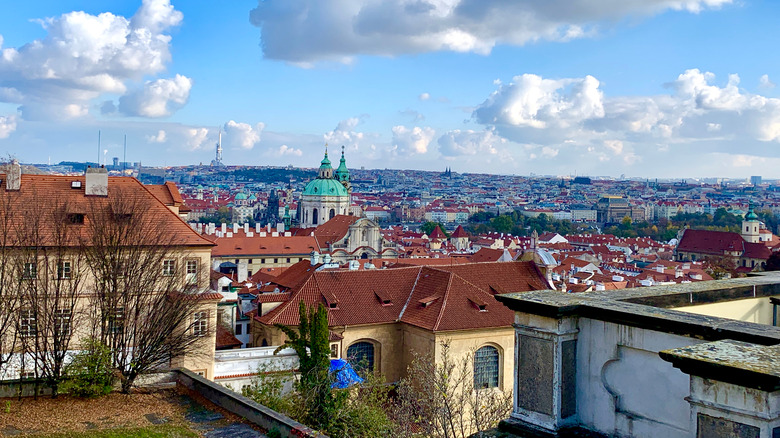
224,228
315,258
13,175
96,181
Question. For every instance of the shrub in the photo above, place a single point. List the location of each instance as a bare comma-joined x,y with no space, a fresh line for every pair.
90,374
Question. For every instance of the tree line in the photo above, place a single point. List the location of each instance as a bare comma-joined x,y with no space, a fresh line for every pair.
99,274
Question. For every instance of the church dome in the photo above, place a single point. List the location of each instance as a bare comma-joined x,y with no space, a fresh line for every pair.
240,196
325,187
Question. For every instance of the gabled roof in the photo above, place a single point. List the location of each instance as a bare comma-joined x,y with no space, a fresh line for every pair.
460,232
437,233
334,229
438,298
241,245
487,255
721,242
51,192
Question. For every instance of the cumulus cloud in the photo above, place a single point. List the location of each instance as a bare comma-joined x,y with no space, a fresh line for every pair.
531,109
413,140
84,56
346,134
286,150
315,30
157,98
424,96
7,125
765,82
160,137
196,138
456,143
242,135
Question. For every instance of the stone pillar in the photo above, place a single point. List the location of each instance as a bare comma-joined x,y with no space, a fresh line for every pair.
735,388
545,391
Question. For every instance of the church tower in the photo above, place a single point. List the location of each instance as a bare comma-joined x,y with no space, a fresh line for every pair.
342,173
750,227
325,196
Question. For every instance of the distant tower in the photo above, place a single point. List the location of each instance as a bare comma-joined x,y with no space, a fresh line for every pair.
750,227
218,159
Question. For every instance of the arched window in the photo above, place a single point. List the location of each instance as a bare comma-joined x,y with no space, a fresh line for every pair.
486,367
315,217
361,356
332,213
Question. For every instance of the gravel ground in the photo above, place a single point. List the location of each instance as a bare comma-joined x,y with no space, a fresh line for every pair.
45,415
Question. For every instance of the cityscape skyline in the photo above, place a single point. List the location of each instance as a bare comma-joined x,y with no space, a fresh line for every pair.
676,89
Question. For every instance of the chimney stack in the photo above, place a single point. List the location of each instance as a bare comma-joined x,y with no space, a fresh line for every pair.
96,181
13,175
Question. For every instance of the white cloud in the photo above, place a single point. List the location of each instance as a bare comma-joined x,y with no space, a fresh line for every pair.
242,135
160,137
286,150
338,30
456,143
345,134
424,96
412,141
196,138
84,56
157,98
7,123
765,82
531,101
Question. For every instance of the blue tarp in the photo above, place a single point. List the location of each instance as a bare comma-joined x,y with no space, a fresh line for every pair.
343,374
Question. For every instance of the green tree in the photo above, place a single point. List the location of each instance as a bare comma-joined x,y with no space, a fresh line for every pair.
502,224
90,372
311,344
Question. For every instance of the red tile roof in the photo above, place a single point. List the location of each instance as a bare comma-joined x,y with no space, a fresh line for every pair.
51,192
487,255
721,243
334,229
460,232
241,245
454,293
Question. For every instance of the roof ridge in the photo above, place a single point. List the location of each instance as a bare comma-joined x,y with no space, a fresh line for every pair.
411,292
443,301
169,210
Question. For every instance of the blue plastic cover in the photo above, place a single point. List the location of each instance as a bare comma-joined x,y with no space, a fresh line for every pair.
343,374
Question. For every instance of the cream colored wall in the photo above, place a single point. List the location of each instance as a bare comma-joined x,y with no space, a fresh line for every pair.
387,342
758,310
468,341
202,357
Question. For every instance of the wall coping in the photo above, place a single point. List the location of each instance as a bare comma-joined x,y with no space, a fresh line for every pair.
739,363
244,407
649,307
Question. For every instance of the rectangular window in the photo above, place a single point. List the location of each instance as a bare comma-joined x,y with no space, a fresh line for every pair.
63,270
288,260
62,318
30,271
276,260
116,321
238,329
248,273
200,323
76,218
334,351
249,261
169,268
262,261
192,271
28,326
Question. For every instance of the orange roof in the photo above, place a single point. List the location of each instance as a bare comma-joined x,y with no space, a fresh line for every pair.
241,245
487,255
460,232
334,229
48,193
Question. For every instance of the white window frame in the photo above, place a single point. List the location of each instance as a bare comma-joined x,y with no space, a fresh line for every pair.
200,323
62,321
169,267
64,270
191,270
30,271
28,324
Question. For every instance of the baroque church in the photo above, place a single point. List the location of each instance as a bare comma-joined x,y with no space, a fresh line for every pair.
326,196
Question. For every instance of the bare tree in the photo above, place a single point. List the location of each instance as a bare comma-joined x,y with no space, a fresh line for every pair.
48,265
439,398
9,284
143,302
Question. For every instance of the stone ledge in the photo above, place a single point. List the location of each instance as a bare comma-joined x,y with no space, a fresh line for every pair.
738,363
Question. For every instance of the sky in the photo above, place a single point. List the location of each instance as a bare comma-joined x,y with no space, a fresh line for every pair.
641,88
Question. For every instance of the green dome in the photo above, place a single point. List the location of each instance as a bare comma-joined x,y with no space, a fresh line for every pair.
240,197
751,216
325,187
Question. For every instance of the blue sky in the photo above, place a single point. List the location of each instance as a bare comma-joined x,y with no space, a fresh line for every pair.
663,88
